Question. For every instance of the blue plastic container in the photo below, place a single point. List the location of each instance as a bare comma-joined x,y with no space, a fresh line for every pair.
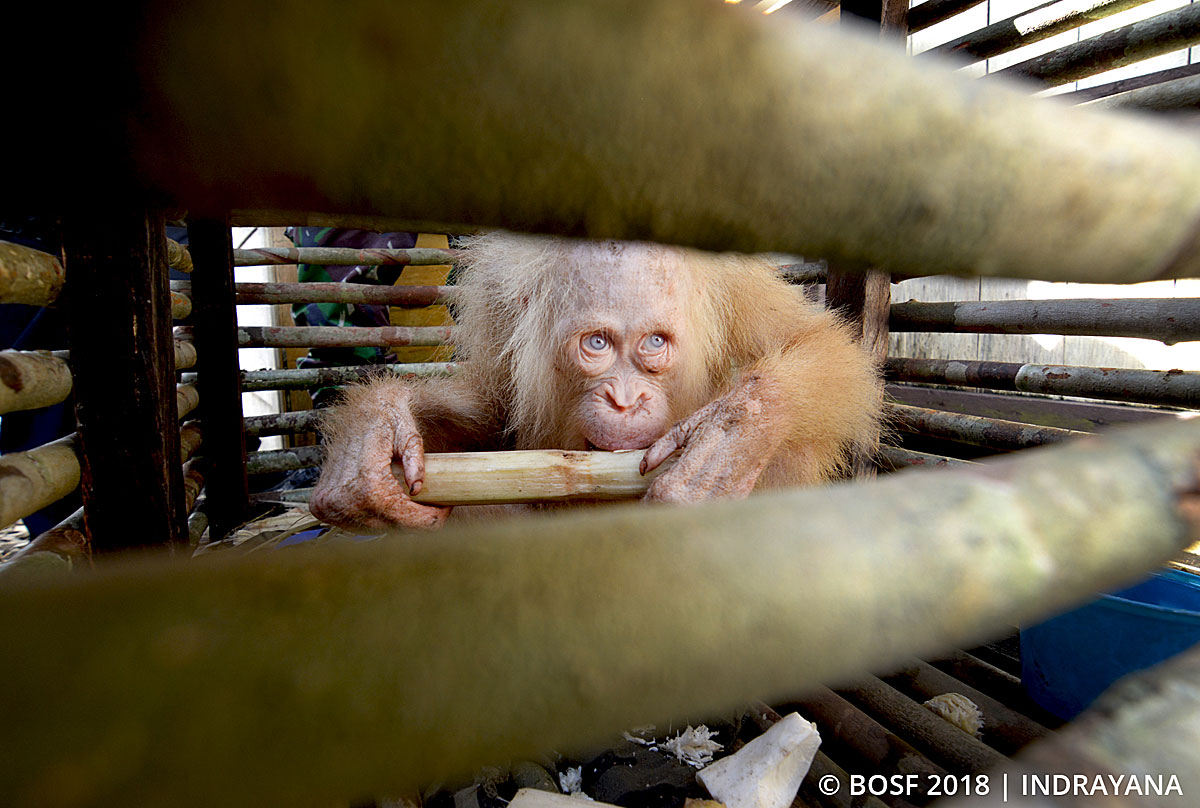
1067,661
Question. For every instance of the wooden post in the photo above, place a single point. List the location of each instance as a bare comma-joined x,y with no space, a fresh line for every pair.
215,318
123,363
865,298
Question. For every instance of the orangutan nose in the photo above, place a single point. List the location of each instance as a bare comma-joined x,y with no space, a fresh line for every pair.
625,397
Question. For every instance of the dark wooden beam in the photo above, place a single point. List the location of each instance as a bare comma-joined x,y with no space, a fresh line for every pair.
865,298
123,363
214,317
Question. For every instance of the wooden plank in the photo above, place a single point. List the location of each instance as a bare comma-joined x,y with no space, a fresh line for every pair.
215,327
123,367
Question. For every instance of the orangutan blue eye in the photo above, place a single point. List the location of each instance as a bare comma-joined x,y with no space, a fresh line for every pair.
597,342
656,342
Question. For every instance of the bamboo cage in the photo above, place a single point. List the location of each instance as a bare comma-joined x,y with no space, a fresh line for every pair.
790,137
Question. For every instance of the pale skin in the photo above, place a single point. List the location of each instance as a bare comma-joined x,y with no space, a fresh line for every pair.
638,347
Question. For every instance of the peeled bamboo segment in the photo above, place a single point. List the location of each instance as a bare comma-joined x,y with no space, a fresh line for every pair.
32,379
28,275
185,354
537,475
29,481
178,256
187,398
181,306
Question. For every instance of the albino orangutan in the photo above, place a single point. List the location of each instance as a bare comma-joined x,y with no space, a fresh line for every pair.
614,345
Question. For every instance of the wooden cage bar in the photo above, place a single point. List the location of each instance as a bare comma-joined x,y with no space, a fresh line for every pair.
341,336
283,423
1166,32
29,276
413,697
993,433
894,458
931,12
342,256
304,378
31,480
1175,94
1084,416
181,305
122,362
1174,388
273,293
1084,196
1030,26
1168,320
935,560
1134,83
216,336
32,379
178,256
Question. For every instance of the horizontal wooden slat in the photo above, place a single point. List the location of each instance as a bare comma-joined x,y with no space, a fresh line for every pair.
1134,83
341,336
931,12
32,379
1168,96
342,256
993,433
1164,33
1171,387
331,377
1030,409
1168,320
29,276
1031,26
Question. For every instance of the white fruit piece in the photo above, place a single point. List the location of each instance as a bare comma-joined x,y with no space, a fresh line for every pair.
768,771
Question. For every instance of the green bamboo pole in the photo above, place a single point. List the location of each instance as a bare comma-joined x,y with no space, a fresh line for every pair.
337,672
779,135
